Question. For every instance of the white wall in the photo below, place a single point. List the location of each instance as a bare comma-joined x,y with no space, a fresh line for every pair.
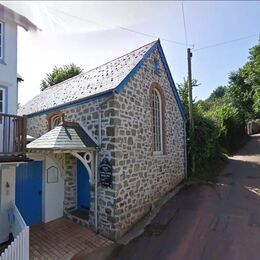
7,195
8,71
53,195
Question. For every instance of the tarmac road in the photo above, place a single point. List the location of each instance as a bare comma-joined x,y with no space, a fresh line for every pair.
209,221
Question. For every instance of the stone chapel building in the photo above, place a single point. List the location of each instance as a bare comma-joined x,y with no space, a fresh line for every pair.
108,143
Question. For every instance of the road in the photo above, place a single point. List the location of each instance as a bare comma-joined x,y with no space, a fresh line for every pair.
219,220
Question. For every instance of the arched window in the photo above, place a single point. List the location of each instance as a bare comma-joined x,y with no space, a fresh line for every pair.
54,121
157,122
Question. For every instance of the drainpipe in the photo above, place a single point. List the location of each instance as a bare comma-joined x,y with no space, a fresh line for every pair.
185,149
96,160
96,190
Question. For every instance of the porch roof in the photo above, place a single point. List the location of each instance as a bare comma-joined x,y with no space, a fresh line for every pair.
65,136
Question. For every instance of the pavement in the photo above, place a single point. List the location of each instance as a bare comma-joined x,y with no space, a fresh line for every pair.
63,239
214,220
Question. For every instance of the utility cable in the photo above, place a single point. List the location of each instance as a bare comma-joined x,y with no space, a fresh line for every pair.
119,27
184,24
227,42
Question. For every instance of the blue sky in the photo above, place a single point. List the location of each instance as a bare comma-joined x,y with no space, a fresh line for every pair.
67,36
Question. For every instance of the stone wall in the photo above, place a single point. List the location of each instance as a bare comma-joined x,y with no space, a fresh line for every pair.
87,115
142,177
139,177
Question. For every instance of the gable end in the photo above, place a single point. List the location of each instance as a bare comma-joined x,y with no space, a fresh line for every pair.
157,46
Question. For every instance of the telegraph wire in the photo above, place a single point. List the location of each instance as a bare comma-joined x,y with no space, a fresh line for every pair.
156,37
119,27
184,24
227,42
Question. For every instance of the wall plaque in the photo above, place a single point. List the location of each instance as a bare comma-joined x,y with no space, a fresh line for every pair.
52,175
105,173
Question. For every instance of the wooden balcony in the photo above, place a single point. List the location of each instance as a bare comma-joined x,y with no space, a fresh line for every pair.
12,138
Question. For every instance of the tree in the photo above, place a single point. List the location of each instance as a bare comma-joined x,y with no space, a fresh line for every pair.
244,88
219,92
60,74
183,90
240,93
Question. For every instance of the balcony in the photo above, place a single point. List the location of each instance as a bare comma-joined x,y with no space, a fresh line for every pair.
12,138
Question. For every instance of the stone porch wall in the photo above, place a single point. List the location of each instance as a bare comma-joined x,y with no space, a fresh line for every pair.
87,115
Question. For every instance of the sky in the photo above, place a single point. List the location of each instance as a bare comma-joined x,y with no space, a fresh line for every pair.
90,34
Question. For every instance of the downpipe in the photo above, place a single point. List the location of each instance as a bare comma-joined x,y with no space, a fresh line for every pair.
97,159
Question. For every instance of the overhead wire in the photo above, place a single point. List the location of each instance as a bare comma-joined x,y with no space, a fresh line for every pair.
227,42
119,27
156,37
184,24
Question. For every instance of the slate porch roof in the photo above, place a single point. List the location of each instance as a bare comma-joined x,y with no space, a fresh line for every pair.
100,80
66,136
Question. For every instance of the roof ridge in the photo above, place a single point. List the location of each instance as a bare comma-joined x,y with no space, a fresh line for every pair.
83,73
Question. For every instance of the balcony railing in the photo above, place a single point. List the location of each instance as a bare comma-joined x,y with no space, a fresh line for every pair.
12,135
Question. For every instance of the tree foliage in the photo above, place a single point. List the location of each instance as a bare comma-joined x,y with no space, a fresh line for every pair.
60,74
183,90
220,120
219,92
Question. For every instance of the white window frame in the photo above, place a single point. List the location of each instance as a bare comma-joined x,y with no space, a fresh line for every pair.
53,121
157,152
2,41
3,103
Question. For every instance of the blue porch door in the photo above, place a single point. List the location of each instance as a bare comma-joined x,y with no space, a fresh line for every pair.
28,191
83,187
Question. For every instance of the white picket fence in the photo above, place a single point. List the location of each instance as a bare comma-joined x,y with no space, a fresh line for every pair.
19,248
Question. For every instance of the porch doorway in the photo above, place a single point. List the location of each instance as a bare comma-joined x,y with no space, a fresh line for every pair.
83,188
28,191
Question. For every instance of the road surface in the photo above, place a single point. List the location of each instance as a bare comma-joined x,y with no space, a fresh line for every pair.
210,221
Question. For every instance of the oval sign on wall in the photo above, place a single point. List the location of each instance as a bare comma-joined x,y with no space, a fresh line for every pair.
105,172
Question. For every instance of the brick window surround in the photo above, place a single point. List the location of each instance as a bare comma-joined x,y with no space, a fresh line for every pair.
50,116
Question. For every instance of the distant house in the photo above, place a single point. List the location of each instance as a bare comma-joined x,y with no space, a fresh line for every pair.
109,144
12,127
253,126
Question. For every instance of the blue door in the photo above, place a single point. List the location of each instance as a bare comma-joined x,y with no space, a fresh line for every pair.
28,191
83,187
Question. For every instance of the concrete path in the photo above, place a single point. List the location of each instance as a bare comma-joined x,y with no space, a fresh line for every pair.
211,221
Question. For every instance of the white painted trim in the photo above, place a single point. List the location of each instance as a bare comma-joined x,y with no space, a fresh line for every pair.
161,123
4,99
85,163
2,41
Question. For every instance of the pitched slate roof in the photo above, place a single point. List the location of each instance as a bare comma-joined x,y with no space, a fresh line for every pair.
102,79
66,136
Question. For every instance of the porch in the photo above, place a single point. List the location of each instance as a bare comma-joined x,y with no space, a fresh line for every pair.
63,239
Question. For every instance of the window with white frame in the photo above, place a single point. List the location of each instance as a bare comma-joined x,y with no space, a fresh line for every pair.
157,122
1,40
2,103
55,120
